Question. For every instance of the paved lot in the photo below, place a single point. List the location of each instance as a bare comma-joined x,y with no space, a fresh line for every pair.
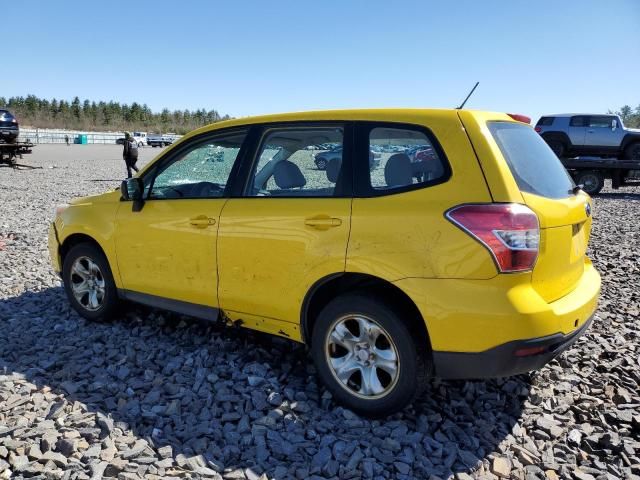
154,395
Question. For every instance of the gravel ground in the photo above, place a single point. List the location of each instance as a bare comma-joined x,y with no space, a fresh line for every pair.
154,395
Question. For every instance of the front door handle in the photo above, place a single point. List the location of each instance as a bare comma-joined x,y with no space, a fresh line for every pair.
323,222
202,221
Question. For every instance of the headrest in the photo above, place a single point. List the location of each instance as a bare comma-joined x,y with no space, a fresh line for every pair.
398,171
286,174
333,169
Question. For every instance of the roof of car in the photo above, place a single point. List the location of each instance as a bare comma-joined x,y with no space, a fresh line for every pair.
578,114
373,114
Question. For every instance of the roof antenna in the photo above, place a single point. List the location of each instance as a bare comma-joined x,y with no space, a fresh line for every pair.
470,93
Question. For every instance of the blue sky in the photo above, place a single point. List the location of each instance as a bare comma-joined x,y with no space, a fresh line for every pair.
252,57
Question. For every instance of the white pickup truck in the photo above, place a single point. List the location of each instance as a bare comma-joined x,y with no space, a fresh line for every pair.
139,137
160,140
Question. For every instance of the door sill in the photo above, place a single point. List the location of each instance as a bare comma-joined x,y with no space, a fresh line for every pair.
186,308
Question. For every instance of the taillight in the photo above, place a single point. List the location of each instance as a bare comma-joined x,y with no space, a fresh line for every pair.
510,231
520,118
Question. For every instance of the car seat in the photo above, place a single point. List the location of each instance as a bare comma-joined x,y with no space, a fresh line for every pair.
287,175
398,171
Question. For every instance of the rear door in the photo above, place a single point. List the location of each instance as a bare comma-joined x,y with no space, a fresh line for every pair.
546,188
578,130
287,228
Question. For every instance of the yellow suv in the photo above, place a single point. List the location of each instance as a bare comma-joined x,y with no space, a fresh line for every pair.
434,242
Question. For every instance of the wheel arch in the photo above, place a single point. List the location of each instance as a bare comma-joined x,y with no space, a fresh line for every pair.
332,285
558,137
76,239
629,139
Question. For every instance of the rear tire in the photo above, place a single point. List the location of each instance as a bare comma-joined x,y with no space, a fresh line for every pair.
592,181
632,152
88,283
558,147
366,355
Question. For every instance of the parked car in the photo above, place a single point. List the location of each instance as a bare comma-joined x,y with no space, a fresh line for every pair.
322,159
9,128
585,134
387,278
159,140
140,137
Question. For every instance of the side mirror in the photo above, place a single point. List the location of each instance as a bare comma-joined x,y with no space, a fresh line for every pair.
131,189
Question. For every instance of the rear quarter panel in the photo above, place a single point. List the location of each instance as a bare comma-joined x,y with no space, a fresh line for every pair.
499,177
406,234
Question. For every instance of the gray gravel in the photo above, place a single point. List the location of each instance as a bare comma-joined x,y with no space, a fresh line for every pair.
154,395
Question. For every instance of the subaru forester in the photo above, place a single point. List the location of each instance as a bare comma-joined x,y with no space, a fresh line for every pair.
469,262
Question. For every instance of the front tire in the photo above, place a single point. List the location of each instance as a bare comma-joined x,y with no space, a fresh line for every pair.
321,164
366,355
88,282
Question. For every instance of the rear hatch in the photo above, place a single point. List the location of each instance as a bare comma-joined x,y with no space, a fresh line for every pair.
564,212
8,121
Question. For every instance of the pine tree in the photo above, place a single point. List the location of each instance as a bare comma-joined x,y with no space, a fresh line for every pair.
40,112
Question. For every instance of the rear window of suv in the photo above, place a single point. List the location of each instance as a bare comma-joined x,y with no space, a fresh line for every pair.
545,122
533,164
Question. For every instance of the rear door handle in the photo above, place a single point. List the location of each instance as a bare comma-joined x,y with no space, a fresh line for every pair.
323,222
202,221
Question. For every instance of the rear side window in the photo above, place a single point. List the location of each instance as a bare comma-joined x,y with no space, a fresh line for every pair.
545,122
298,161
401,158
578,121
533,164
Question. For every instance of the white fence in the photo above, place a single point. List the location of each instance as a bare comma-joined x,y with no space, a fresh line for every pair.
46,135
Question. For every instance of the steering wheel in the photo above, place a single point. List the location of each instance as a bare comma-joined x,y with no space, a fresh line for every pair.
206,189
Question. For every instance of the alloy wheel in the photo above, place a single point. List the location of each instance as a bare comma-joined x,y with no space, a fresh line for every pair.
362,356
87,284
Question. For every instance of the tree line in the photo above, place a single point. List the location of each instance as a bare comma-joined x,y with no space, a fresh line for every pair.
90,115
629,116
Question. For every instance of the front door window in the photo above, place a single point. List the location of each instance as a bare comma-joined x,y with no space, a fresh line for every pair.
200,172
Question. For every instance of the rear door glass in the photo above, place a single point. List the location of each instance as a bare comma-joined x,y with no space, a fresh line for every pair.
578,121
533,164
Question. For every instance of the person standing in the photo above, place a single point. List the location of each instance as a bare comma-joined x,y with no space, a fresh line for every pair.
130,153
66,139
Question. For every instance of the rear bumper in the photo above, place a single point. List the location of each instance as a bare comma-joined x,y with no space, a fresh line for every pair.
476,326
506,359
10,133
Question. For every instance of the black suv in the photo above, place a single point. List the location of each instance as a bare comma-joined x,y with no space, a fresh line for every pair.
8,127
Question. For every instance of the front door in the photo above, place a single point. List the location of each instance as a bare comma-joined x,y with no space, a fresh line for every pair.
167,249
290,228
604,131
